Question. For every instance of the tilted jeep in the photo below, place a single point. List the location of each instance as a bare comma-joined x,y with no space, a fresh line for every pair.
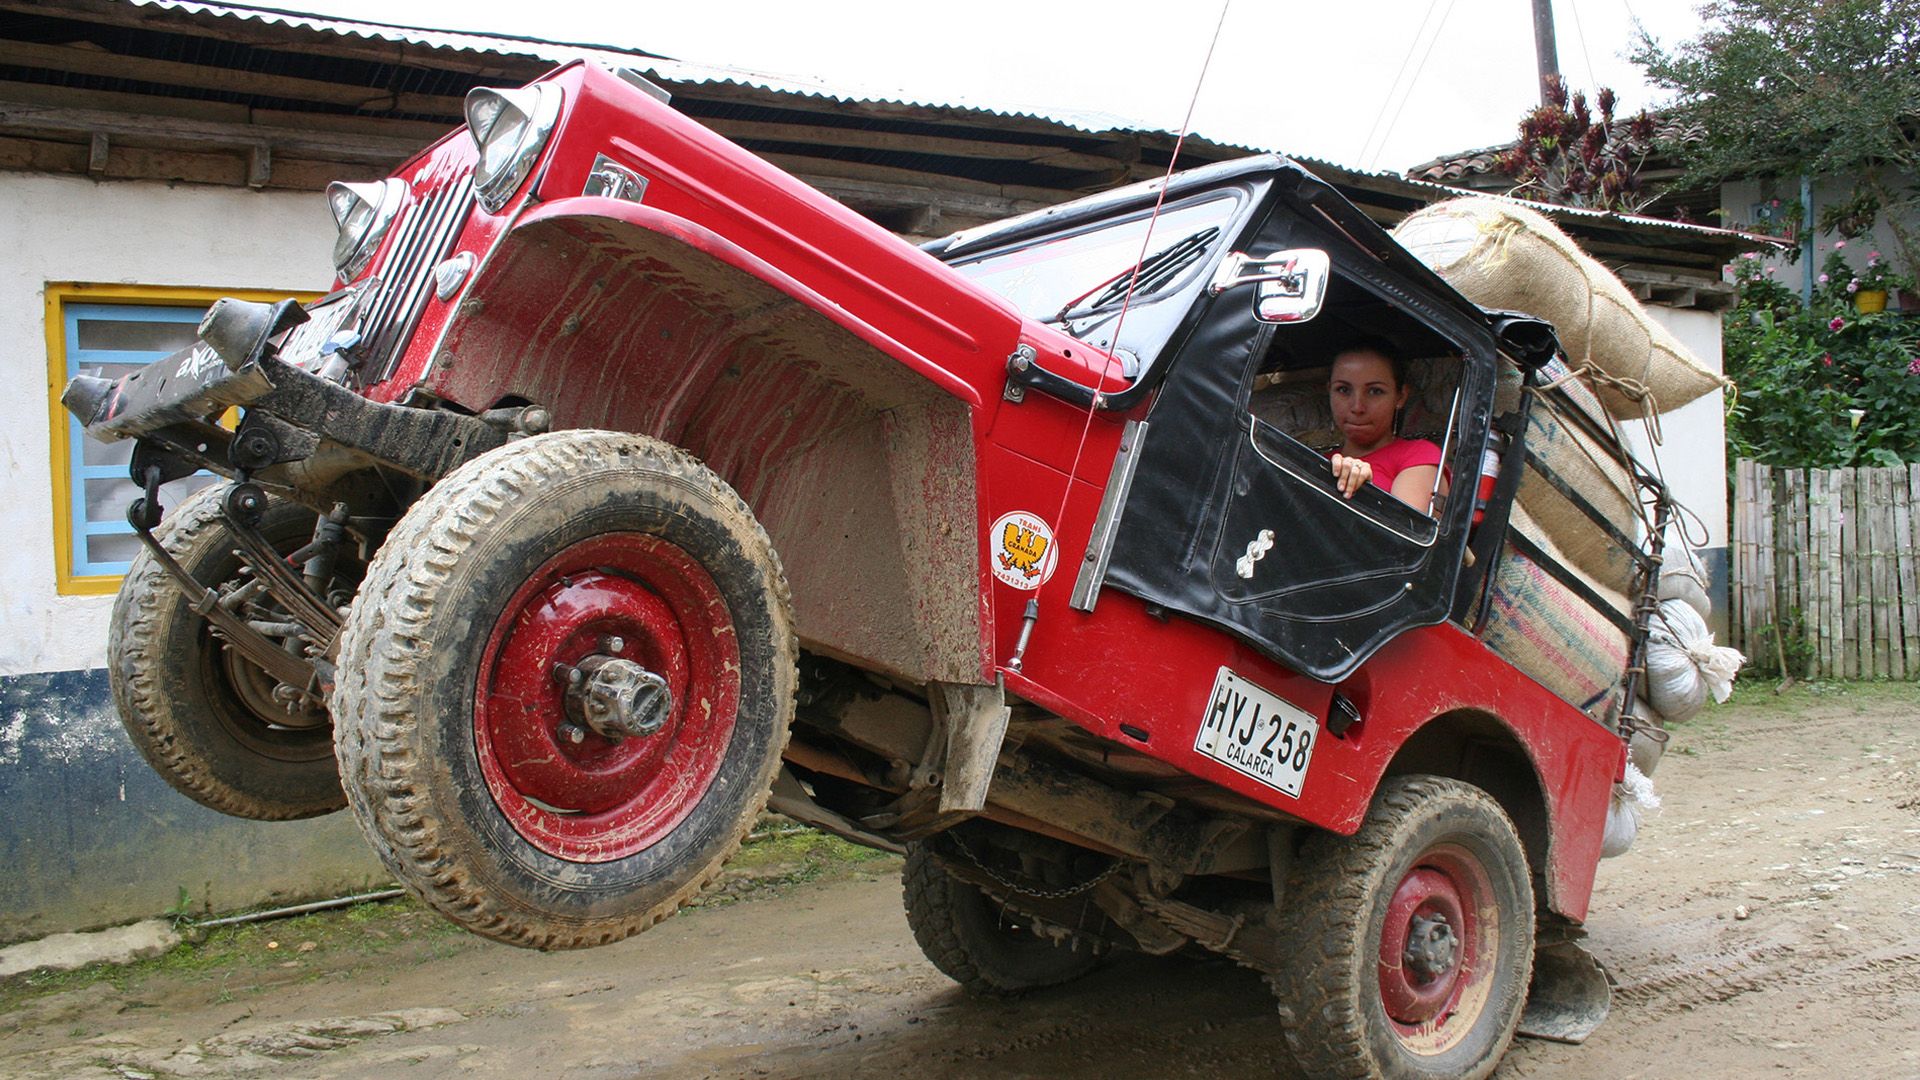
627,484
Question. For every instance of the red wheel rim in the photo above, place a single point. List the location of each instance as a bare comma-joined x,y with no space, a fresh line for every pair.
1445,909
601,799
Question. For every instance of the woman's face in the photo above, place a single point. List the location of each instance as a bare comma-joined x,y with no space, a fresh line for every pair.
1364,395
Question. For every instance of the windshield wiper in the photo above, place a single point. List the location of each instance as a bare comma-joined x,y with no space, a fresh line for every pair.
1152,272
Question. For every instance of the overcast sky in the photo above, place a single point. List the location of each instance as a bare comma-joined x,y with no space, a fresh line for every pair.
1381,84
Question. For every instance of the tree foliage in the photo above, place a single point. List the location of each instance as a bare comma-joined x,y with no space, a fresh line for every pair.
1800,88
1568,155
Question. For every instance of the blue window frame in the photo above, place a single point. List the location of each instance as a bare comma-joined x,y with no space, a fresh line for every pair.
110,340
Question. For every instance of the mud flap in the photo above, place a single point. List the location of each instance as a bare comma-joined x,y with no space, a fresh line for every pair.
1570,995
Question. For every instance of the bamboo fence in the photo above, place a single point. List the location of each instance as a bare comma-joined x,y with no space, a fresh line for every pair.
1826,568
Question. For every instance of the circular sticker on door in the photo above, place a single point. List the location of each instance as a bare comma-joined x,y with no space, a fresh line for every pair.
1022,547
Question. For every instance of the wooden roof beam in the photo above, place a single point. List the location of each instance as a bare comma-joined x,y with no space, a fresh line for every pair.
68,58
1058,157
164,131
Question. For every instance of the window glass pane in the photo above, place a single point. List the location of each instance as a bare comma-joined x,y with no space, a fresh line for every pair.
113,550
134,335
1093,267
107,499
95,452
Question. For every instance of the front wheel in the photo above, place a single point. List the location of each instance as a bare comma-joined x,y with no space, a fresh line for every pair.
210,721
565,688
1411,942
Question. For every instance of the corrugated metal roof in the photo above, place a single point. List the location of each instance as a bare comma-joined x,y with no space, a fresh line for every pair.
661,68
670,70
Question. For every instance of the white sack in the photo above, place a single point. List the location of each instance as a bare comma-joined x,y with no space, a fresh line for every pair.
1684,577
1633,799
1684,665
1649,742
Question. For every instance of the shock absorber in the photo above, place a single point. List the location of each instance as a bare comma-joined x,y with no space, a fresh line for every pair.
327,534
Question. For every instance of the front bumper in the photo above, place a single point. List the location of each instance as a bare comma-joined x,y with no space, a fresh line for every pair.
173,405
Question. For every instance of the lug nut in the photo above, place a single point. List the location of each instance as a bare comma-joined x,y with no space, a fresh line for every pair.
616,645
573,733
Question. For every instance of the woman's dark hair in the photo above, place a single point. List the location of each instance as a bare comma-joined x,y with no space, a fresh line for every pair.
1382,348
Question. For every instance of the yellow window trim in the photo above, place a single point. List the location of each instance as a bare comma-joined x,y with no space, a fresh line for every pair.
58,295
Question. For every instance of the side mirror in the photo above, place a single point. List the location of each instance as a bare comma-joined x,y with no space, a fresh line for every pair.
1293,283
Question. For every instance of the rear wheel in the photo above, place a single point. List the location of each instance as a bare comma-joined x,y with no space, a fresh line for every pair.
1411,941
566,686
213,724
976,941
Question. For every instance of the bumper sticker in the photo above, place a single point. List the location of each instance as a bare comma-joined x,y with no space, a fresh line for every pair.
1021,544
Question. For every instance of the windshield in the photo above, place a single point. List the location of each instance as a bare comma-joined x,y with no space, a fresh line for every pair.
1072,280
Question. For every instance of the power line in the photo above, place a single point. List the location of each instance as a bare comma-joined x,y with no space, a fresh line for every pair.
1438,30
1387,102
1593,81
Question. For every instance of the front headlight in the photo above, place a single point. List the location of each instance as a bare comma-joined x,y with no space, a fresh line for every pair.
363,212
510,127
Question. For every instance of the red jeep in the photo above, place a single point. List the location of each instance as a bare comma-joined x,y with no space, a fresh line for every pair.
627,485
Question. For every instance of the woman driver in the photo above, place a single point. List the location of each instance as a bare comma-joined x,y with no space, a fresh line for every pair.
1367,388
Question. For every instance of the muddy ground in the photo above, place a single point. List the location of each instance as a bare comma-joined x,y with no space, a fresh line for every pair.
1767,924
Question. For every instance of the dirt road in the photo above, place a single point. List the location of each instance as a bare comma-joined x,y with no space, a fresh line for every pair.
1767,923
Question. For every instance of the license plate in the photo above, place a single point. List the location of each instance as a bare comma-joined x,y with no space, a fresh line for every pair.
1257,734
301,348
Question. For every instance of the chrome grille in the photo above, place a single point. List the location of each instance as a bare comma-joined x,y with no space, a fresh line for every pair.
404,279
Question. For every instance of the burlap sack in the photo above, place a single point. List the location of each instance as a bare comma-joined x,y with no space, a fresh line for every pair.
1541,627
1502,255
1594,470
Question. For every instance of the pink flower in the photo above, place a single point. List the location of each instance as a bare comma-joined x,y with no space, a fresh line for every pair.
1773,269
1854,285
1823,279
1837,323
1828,358
1873,256
1913,368
1838,244
1775,202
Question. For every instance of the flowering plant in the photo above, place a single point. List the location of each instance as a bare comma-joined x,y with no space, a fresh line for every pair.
1880,277
1820,384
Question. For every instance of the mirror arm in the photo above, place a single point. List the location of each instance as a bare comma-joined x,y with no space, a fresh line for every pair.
1234,272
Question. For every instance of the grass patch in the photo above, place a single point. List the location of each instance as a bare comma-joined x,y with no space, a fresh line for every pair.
226,962
1758,696
773,863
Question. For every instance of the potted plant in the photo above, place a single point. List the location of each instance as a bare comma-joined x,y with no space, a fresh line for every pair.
1871,285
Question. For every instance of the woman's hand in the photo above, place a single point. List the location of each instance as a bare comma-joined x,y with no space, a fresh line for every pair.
1350,474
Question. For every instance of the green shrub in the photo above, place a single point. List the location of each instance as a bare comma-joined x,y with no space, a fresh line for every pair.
1820,385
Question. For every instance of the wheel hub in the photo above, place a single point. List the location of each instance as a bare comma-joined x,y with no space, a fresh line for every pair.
1424,960
1431,946
607,696
615,697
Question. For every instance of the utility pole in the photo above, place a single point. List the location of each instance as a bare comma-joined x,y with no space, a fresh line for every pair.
1544,52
